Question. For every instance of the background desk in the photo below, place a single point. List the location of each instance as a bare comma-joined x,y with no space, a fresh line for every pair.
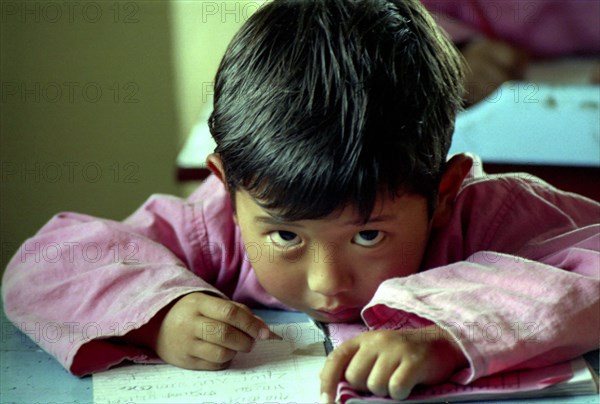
29,375
550,131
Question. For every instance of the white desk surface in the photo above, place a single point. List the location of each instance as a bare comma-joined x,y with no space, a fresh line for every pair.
29,375
533,123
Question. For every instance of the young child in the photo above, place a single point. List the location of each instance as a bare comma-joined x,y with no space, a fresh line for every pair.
332,194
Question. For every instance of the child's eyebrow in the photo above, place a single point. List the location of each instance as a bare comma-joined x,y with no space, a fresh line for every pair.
375,219
357,222
275,222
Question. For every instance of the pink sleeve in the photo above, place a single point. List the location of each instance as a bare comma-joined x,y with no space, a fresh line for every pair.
519,289
545,28
81,280
446,16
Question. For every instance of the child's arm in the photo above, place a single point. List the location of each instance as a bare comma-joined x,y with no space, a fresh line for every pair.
490,63
527,300
503,314
82,283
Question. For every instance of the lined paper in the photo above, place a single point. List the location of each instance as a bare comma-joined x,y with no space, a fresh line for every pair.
275,371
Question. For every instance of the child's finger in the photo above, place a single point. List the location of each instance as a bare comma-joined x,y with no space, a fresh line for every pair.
264,333
359,369
223,335
234,314
379,379
334,369
203,351
403,380
195,363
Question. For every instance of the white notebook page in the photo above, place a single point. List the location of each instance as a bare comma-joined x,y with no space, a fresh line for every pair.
275,371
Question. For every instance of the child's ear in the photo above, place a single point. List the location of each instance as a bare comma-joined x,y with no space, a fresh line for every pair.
456,170
215,165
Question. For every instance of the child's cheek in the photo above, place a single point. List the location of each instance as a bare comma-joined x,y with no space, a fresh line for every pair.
275,275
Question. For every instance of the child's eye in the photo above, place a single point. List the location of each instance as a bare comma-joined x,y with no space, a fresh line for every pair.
368,238
284,238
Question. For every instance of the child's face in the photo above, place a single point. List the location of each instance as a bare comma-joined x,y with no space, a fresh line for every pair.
330,268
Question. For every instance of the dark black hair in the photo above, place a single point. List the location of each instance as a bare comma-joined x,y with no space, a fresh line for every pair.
320,104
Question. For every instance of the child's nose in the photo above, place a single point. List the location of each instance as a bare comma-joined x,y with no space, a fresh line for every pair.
329,276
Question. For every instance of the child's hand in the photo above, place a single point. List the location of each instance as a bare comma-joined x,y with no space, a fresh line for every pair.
205,332
391,363
491,63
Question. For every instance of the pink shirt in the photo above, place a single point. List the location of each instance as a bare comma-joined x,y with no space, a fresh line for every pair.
514,276
546,28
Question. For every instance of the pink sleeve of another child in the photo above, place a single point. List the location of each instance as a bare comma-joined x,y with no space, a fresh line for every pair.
545,28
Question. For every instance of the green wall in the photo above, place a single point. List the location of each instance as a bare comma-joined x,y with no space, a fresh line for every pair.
97,99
